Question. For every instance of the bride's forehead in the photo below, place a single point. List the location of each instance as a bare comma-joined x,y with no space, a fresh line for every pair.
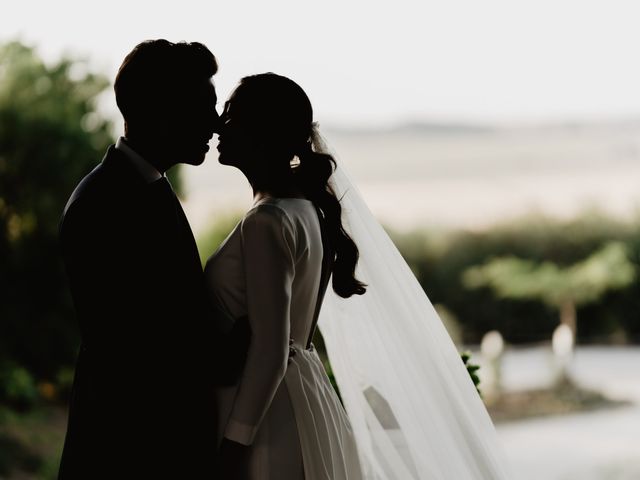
234,103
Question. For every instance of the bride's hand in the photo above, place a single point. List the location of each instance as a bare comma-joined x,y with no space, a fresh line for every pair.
234,460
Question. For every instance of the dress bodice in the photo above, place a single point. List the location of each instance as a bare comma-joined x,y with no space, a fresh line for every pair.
273,232
268,269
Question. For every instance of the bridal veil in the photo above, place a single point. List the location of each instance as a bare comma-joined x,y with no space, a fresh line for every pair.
413,407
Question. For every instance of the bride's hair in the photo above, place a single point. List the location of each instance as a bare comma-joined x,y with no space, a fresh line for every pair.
286,124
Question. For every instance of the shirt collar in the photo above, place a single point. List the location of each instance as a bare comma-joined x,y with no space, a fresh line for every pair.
148,171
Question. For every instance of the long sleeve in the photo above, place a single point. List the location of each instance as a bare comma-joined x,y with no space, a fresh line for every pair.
268,242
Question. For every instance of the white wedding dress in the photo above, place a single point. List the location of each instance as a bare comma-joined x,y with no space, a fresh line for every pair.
269,268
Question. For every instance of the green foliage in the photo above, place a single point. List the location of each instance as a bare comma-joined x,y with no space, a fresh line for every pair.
564,288
439,261
50,137
17,386
472,369
583,282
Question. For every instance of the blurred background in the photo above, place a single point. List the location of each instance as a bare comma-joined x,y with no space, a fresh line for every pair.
497,141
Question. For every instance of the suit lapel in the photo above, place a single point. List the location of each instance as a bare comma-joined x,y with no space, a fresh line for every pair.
159,204
187,233
187,249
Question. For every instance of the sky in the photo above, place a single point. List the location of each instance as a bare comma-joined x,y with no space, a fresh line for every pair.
378,63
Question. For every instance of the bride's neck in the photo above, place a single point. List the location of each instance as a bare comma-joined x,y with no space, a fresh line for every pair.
259,194
282,189
272,182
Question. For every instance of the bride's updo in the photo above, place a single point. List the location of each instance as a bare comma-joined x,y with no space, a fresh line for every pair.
282,124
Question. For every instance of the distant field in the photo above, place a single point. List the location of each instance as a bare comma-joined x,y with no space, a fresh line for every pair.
422,176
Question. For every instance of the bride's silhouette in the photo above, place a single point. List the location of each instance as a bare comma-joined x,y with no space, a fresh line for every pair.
282,421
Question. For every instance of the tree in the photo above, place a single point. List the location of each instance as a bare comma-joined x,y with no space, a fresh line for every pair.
50,137
564,288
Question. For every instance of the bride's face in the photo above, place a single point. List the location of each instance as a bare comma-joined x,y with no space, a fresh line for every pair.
238,144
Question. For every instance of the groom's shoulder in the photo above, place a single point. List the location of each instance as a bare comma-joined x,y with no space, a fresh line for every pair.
98,187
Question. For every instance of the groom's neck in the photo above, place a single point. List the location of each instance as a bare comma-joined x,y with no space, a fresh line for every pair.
151,151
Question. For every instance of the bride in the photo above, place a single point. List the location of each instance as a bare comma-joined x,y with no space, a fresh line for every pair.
410,409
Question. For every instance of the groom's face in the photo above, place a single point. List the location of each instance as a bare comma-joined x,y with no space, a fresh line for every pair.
193,124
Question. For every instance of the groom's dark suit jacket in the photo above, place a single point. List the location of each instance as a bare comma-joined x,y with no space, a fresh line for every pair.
142,402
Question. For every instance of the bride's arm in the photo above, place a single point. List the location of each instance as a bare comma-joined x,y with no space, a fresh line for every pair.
268,240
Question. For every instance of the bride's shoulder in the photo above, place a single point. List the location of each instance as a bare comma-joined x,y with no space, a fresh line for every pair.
267,214
267,226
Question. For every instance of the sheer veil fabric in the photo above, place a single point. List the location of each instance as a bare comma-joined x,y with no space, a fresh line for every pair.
414,410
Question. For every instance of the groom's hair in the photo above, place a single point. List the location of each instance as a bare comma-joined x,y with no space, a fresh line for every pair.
157,74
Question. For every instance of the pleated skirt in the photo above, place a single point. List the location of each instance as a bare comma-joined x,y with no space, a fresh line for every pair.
306,433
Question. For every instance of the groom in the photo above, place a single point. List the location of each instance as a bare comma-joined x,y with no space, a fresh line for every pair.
142,402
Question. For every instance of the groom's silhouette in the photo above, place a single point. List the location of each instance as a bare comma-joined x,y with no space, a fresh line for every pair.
142,404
